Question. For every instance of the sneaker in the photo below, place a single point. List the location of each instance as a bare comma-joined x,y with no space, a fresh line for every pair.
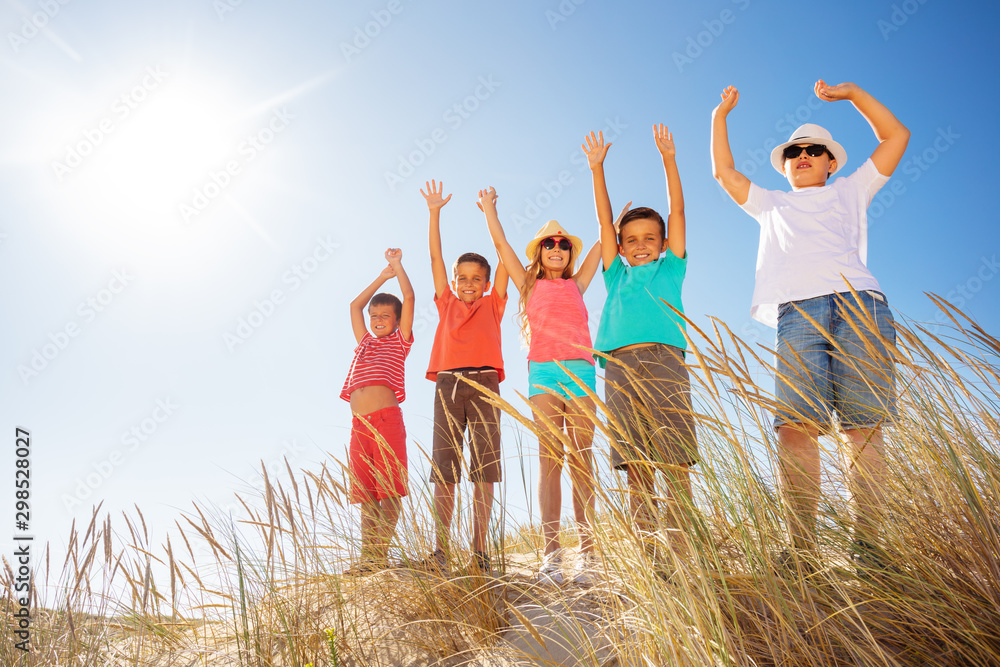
480,563
586,570
366,566
551,570
436,563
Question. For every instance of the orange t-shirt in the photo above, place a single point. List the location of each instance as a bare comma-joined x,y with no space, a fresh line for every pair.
468,335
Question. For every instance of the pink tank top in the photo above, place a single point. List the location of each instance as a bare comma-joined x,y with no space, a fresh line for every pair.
557,317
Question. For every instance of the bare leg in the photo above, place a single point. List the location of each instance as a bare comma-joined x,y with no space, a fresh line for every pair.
371,515
482,507
642,502
581,470
550,460
444,510
798,457
866,478
389,509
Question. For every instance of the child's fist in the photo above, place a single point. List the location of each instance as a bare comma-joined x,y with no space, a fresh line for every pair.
394,255
730,96
842,91
434,194
487,197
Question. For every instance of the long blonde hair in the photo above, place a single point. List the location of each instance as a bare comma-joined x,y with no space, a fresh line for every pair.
532,273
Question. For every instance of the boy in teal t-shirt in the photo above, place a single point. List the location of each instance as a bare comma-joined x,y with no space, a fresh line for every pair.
647,388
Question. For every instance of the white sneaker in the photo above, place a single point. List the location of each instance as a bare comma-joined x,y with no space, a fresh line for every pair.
586,574
551,570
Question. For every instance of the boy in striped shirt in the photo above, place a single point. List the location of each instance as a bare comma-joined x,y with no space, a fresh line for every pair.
374,387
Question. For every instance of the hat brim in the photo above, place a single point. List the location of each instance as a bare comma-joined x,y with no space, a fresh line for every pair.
839,154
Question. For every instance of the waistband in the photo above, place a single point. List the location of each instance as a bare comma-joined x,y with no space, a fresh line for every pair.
467,371
632,350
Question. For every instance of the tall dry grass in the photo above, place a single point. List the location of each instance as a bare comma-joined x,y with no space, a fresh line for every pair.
266,590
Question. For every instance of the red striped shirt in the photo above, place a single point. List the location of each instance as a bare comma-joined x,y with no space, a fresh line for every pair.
378,361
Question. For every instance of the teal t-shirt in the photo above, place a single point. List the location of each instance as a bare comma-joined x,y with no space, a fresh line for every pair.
634,311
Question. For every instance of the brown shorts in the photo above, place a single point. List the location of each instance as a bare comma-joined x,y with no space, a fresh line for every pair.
457,406
648,391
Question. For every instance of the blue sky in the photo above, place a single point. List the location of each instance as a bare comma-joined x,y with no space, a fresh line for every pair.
193,192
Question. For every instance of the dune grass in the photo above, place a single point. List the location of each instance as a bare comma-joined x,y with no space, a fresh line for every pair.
266,590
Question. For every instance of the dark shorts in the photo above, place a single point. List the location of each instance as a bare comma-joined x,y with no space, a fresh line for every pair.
843,366
459,406
648,391
377,456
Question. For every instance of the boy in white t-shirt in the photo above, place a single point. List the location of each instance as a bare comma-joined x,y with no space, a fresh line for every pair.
812,253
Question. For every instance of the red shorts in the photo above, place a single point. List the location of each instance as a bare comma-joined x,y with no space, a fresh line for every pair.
377,456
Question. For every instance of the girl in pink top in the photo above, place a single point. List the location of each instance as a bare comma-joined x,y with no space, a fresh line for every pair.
554,321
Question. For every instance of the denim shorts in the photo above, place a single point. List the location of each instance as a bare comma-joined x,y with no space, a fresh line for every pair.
544,375
839,364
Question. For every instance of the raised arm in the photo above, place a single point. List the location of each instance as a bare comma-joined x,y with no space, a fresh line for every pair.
488,205
588,267
596,151
435,203
361,300
892,135
395,259
676,224
500,278
724,170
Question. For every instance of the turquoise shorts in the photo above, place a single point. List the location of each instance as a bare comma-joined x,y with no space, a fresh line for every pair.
544,375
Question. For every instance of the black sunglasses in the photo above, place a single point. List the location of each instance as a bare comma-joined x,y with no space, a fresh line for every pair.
812,150
550,243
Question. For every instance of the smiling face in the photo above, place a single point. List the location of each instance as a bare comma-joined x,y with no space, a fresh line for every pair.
555,260
471,281
805,171
382,320
641,241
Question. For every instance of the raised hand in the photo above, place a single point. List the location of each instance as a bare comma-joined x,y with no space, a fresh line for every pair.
595,148
387,273
664,140
434,194
842,91
394,256
618,220
488,198
730,96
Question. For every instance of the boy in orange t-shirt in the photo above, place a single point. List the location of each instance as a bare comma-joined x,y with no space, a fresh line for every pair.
466,344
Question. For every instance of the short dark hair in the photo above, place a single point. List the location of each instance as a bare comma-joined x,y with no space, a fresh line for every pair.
642,213
386,299
473,257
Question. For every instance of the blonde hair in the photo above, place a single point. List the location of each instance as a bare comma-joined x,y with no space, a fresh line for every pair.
532,273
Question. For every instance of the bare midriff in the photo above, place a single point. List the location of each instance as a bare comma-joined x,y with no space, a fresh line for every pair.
366,400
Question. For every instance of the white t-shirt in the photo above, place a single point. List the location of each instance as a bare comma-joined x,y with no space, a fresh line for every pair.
812,240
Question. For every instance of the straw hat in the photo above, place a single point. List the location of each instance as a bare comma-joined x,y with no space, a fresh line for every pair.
549,229
809,133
